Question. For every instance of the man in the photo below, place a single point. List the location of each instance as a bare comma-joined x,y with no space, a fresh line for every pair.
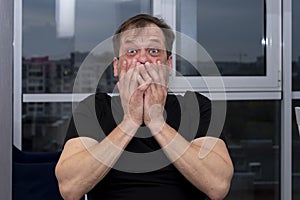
143,119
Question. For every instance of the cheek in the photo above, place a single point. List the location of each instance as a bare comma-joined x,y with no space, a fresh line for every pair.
128,62
125,58
155,59
161,58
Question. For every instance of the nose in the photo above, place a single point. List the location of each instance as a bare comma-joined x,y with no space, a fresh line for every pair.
142,56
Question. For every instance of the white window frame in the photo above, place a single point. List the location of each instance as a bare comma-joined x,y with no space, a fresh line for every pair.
270,83
17,87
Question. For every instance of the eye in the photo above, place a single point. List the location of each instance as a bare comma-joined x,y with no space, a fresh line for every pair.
131,52
154,51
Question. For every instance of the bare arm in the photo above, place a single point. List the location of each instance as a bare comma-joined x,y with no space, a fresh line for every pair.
84,162
205,161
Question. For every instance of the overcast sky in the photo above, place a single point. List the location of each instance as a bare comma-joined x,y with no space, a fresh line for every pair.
229,30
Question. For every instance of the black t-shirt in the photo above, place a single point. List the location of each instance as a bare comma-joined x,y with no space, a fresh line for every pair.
142,171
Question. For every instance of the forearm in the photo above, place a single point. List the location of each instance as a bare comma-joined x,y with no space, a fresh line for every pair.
210,173
80,172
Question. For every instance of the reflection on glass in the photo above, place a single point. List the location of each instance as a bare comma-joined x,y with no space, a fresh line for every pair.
295,45
231,31
296,87
52,55
295,154
252,132
44,125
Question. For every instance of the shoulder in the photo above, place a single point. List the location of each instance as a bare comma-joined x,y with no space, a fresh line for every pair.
94,100
200,97
97,97
92,105
190,98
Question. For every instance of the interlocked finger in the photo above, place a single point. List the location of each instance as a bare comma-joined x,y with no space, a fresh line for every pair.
152,70
163,71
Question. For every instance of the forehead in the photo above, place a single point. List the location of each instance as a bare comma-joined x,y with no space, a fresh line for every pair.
149,33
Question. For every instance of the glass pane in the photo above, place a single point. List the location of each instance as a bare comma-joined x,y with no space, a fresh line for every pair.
44,125
57,38
295,154
295,44
252,130
231,31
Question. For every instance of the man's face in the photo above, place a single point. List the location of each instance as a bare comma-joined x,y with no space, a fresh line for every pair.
144,45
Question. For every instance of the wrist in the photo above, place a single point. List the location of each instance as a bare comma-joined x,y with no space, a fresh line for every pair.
156,125
128,126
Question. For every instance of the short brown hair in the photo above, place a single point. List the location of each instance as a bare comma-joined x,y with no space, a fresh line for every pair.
141,21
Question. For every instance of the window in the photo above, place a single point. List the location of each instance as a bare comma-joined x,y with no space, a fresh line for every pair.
296,47
52,42
295,154
296,88
244,45
44,125
252,131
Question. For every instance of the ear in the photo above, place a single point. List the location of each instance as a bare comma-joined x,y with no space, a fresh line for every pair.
170,63
116,67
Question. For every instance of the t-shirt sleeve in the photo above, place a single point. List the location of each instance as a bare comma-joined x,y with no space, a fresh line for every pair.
199,109
84,121
205,106
205,114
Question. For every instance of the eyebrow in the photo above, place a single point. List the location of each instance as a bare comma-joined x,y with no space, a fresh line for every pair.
155,40
129,42
151,40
